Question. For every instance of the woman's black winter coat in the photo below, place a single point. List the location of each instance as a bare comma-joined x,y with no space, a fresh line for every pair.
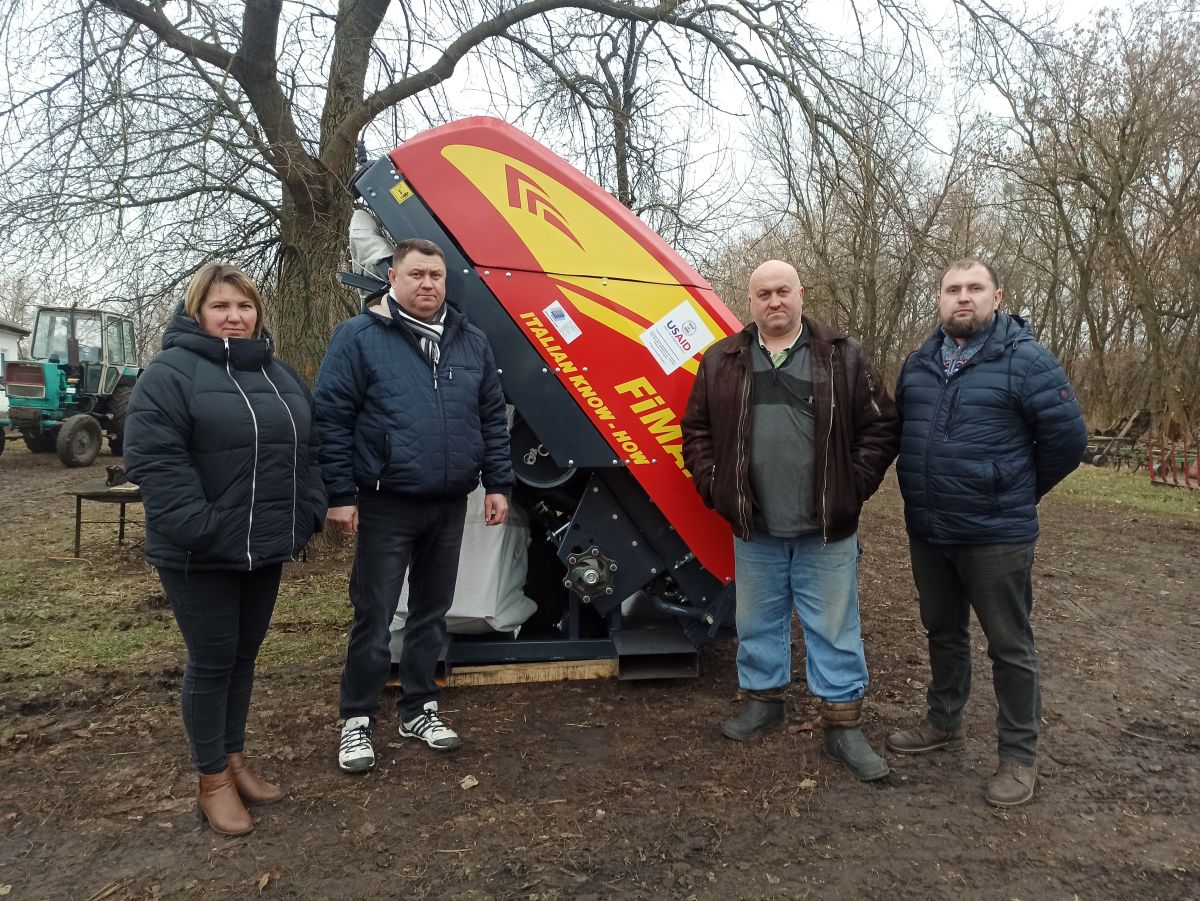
221,440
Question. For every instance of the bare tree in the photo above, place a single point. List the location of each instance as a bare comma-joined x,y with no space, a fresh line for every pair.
174,132
635,118
18,300
1108,125
860,200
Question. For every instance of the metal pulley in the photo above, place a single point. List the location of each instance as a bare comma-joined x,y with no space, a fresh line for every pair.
532,462
590,574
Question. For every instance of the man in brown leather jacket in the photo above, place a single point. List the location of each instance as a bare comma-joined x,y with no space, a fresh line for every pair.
788,431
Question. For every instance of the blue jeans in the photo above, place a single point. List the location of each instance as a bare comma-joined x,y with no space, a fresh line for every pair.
821,581
996,580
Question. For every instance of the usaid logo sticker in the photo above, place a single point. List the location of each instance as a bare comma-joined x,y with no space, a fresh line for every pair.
677,337
557,315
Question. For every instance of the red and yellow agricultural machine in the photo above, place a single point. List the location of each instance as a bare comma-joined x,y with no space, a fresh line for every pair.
597,327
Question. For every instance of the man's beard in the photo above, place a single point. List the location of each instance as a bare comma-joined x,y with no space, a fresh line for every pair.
966,328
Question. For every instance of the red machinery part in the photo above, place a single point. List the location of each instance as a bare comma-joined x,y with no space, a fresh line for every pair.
618,317
1171,465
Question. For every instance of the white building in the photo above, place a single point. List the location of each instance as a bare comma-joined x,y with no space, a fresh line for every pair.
10,334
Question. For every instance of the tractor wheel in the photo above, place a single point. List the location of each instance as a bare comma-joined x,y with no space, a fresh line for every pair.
118,406
41,443
79,440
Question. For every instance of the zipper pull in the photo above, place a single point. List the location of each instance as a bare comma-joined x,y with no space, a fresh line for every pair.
435,380
451,377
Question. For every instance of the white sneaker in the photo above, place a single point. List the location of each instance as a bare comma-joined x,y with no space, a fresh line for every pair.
355,753
431,729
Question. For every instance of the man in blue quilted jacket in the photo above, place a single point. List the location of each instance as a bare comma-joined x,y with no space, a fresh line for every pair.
989,425
411,416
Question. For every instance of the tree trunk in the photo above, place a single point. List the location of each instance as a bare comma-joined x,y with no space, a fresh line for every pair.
311,300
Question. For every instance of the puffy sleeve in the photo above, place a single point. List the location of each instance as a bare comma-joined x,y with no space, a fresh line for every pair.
158,459
339,395
1051,409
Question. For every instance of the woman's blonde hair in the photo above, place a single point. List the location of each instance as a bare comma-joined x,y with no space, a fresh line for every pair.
207,276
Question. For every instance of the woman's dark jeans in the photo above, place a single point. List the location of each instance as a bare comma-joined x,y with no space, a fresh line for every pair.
223,615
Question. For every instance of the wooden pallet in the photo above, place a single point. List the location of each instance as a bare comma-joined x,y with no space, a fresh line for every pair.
522,673
519,673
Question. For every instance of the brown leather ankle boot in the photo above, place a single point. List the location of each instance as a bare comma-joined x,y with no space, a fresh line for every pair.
217,802
252,789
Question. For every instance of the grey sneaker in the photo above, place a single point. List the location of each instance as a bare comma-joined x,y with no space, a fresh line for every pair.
355,752
430,728
756,718
1012,785
925,737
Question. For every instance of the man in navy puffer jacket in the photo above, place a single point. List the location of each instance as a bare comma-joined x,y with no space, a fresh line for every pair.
989,425
411,414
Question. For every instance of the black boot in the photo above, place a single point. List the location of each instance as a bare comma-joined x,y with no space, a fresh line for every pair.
844,740
757,717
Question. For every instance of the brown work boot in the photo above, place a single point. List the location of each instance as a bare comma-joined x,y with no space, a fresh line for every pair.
250,787
1012,785
926,737
217,802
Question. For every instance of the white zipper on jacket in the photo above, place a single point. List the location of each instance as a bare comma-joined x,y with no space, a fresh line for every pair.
253,472
295,457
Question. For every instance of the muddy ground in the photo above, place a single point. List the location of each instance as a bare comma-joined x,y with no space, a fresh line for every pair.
616,789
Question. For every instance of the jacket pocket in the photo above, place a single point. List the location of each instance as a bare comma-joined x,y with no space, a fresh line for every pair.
706,485
384,460
198,540
843,500
465,377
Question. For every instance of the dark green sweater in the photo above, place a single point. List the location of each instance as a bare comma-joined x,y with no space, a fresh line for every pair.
781,446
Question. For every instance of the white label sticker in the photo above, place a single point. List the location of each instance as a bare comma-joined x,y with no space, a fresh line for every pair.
677,337
562,322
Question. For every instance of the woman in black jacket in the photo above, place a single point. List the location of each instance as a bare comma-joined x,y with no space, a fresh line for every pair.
221,439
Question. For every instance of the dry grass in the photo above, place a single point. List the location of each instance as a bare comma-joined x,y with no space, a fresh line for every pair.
1108,489
107,611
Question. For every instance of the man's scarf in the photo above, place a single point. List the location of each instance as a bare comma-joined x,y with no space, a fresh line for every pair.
429,334
955,357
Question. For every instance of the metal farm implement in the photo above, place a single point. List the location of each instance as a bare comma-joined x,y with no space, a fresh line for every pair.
1174,463
597,326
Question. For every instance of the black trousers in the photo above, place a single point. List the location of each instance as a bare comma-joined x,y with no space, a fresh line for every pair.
223,615
398,535
996,580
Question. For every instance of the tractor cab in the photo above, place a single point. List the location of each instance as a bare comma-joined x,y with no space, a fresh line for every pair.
98,345
75,386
